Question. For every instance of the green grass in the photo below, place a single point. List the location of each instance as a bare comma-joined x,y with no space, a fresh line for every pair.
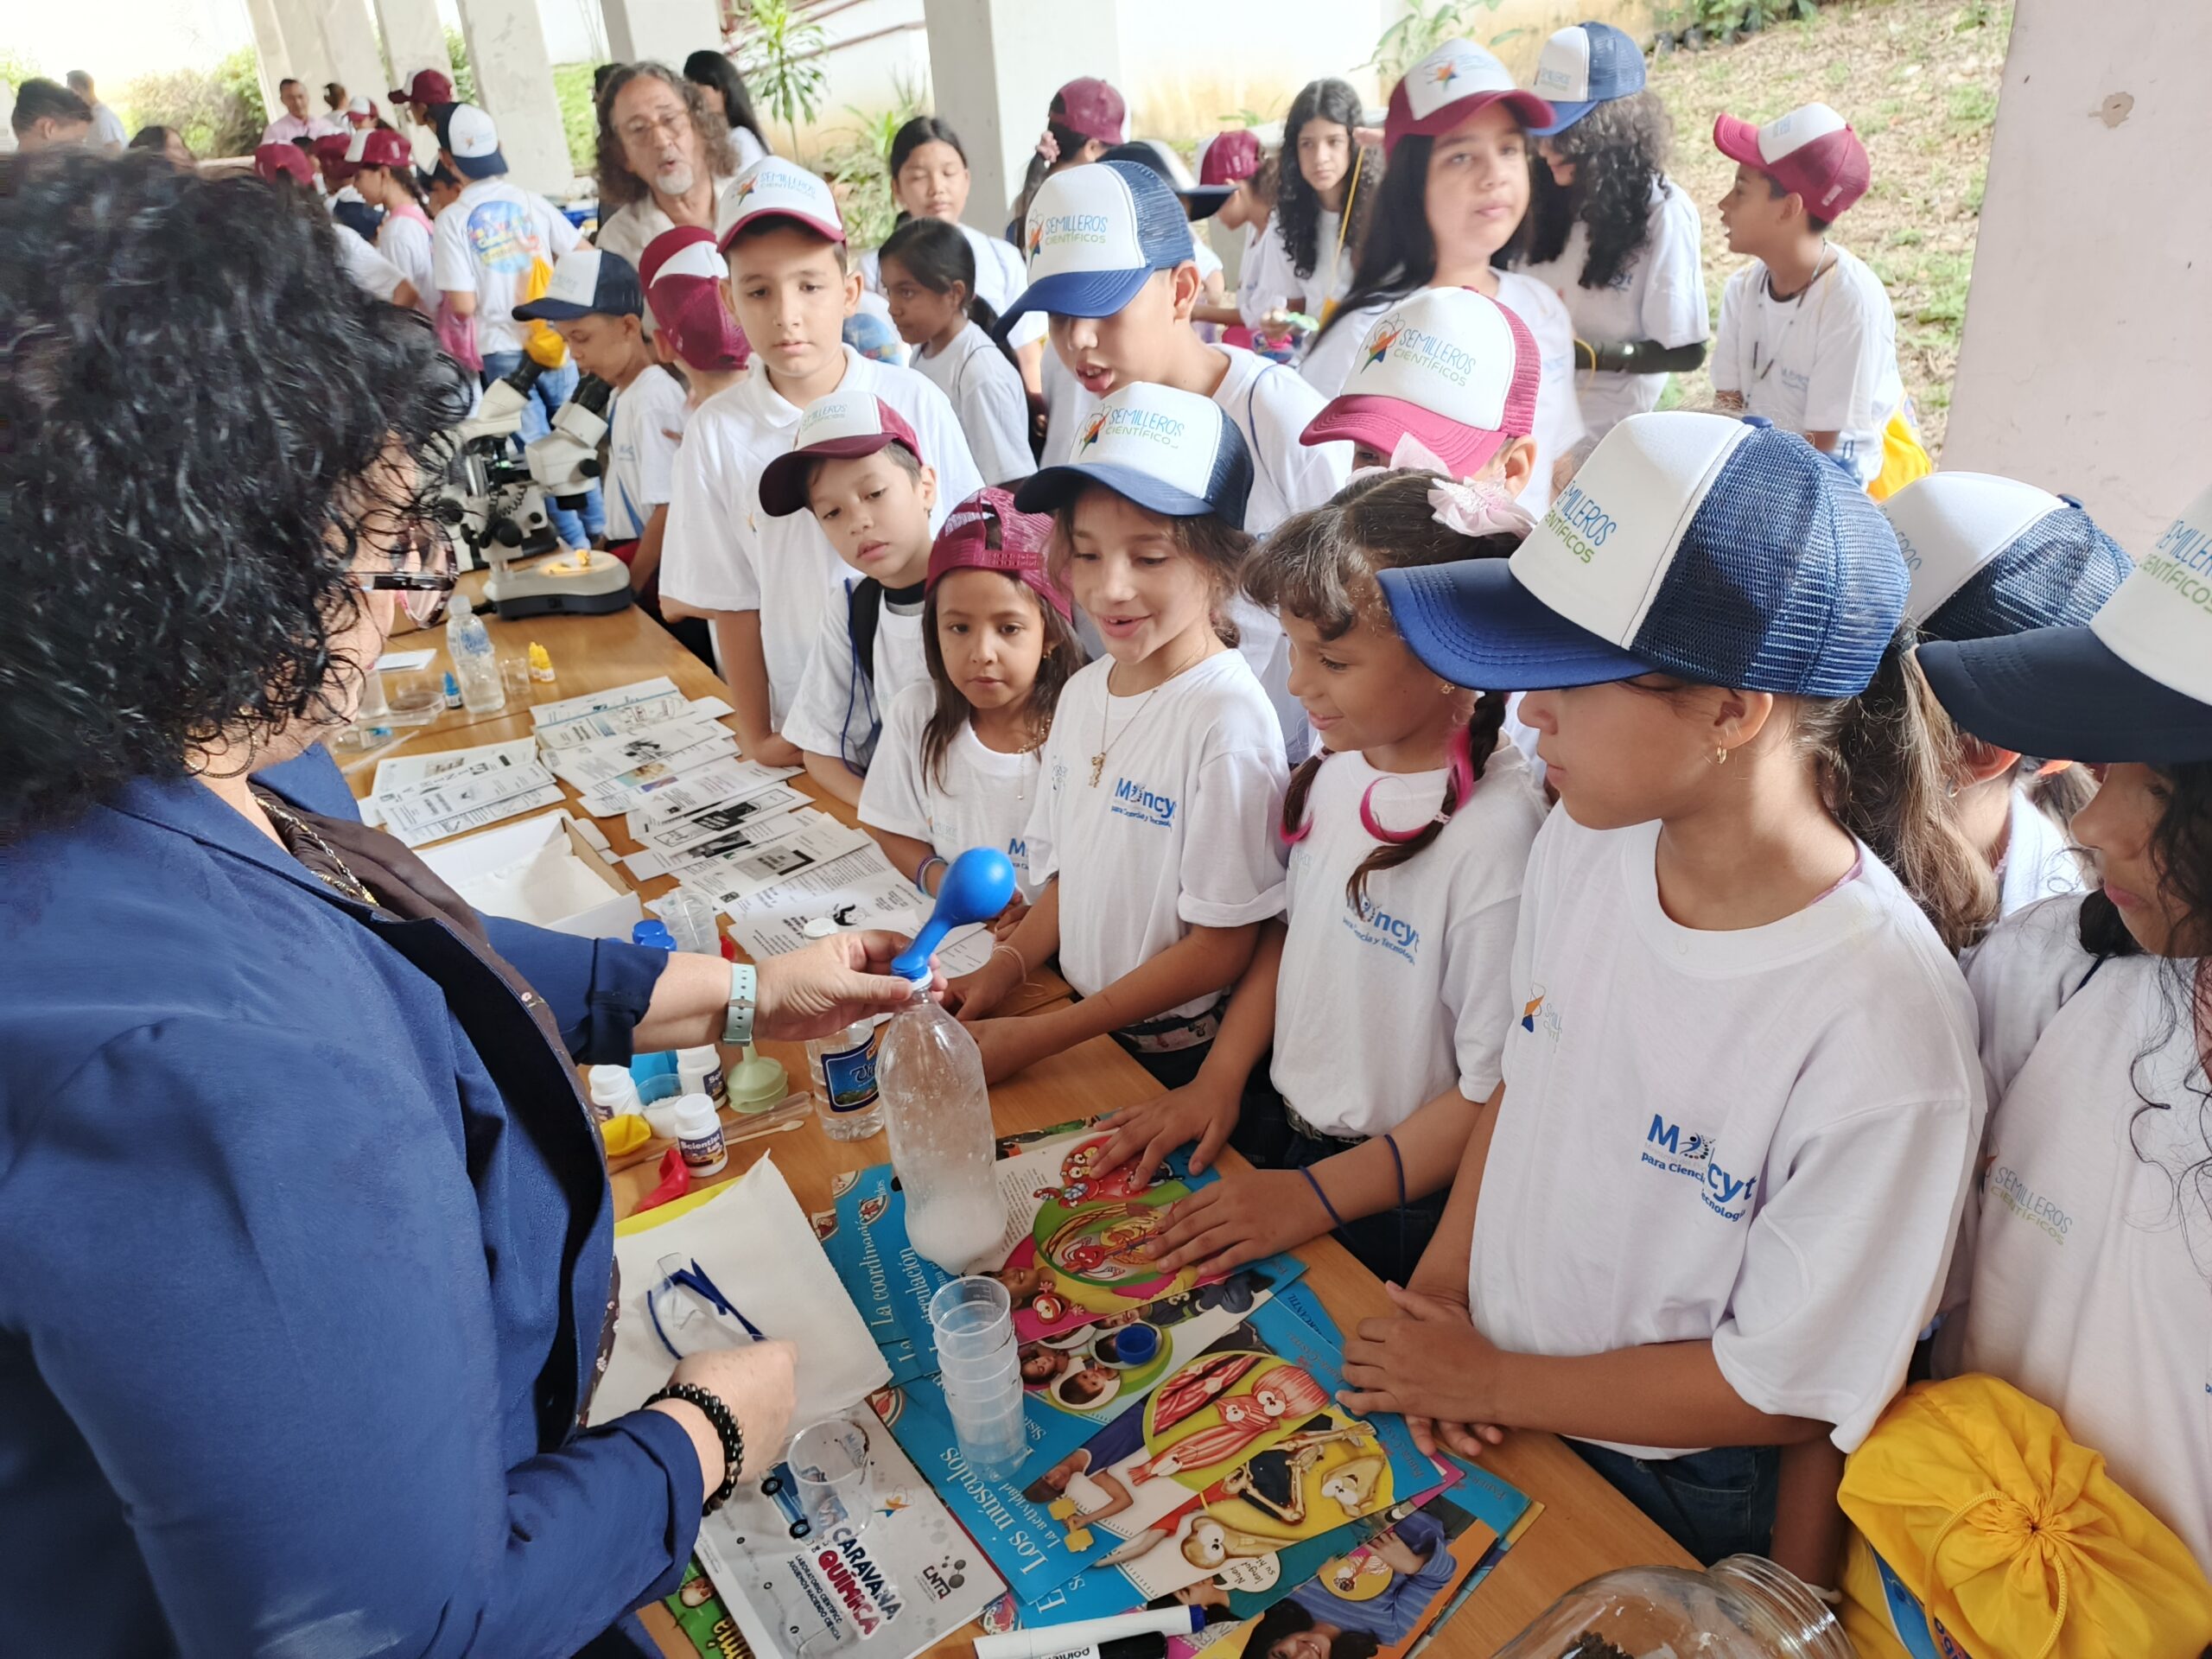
1972,108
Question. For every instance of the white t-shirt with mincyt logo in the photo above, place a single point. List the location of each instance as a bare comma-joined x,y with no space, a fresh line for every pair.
721,552
1179,830
1824,361
982,799
1759,1138
2089,1266
1379,1010
483,243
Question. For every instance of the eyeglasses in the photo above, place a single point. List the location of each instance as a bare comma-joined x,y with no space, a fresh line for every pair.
682,1305
645,129
423,574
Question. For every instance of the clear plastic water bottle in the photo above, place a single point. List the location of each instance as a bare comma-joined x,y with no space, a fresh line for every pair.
939,1113
842,1069
475,664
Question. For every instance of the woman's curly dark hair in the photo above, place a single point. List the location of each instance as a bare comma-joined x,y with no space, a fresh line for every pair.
1298,205
618,185
192,394
2181,850
1619,151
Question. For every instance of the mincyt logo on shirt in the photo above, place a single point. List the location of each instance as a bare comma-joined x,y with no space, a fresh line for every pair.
1680,1152
1377,926
1133,800
1580,520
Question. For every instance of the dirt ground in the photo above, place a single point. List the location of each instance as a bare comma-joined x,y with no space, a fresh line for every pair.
1919,79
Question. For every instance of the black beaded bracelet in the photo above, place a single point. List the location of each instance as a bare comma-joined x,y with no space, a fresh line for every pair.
725,1422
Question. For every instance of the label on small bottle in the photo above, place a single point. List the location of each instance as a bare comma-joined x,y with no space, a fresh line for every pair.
848,1075
702,1154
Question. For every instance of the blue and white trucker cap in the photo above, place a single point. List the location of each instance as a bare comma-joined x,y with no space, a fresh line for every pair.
2134,684
1991,555
1094,235
1581,67
1173,453
1724,552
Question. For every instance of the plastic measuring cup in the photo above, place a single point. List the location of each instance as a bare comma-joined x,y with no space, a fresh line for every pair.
829,1465
971,1317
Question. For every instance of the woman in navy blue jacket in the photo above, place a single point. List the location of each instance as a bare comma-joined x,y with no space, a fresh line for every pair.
305,1236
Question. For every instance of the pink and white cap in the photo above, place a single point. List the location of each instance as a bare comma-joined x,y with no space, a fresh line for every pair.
1450,368
844,425
775,188
1450,84
1811,151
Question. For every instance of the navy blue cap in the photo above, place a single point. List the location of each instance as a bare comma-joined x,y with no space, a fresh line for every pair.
1173,453
1720,551
588,282
1991,555
1093,236
1582,67
1199,201
2063,694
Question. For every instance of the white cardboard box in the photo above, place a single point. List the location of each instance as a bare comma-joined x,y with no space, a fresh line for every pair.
540,870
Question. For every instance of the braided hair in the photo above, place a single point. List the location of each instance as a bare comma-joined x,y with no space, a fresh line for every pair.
1320,566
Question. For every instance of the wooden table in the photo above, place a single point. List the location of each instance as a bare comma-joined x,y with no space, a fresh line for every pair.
1586,1527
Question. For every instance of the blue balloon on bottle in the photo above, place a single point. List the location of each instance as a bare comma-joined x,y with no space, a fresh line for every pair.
977,886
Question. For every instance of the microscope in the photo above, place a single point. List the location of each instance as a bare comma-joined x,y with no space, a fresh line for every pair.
496,501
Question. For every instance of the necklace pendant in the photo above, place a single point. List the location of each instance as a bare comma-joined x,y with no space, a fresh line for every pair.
1097,768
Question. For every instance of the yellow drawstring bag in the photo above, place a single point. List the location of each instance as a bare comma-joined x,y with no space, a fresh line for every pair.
546,348
1904,456
1984,1529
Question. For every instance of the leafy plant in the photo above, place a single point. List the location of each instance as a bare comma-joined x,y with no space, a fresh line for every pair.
1715,19
579,116
860,164
779,55
464,72
1425,26
218,111
16,66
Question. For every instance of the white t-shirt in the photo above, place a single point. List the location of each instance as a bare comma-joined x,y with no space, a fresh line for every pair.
483,243
1179,831
365,265
1277,279
1270,405
405,241
987,396
721,552
107,130
1761,1138
1660,295
630,228
1252,273
1825,360
1380,1011
642,439
1000,277
2038,863
748,145
2090,1282
838,710
983,800
1559,412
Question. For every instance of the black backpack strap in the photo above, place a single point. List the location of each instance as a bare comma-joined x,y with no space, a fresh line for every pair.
863,614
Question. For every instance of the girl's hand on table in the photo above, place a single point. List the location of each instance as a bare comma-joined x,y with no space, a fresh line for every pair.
759,1384
1148,1132
1428,1362
974,996
823,986
1010,1044
1245,1215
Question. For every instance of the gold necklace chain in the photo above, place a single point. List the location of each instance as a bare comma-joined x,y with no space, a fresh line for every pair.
351,885
1106,712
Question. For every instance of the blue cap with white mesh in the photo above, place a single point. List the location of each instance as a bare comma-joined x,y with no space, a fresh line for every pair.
1173,453
1094,235
1723,552
1582,67
1992,555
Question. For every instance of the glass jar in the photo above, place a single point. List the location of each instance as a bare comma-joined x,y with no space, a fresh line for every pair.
1745,1607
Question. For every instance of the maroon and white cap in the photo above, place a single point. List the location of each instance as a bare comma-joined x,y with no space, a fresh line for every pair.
1094,108
379,147
429,87
1811,151
964,544
775,188
844,425
275,161
1230,157
1447,86
1450,368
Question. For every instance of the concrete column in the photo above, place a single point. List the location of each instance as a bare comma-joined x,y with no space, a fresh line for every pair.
660,31
514,81
993,72
304,56
414,38
356,61
2085,330
271,48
